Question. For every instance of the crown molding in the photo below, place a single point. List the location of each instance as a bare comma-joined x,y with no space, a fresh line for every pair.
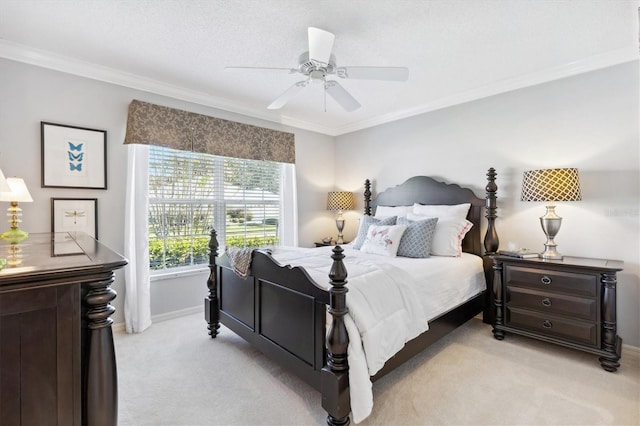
21,53
593,63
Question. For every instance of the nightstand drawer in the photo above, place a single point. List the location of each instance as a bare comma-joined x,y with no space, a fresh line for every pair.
554,303
550,280
554,326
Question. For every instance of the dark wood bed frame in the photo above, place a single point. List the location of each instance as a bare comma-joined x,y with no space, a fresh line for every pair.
282,311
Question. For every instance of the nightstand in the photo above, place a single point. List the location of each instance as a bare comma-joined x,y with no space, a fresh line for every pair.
322,244
332,243
569,302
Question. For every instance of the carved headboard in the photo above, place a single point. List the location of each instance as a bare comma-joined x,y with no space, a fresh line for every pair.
426,190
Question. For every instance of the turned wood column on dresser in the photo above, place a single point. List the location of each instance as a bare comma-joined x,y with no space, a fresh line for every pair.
57,358
569,302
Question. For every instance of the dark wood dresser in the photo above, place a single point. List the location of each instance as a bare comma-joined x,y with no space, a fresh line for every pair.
57,359
570,302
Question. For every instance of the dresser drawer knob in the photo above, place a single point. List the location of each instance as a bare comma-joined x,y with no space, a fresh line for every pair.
545,280
547,324
546,302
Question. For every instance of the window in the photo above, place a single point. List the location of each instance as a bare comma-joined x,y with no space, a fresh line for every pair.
191,193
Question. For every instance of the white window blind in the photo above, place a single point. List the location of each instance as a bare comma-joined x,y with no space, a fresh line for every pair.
191,193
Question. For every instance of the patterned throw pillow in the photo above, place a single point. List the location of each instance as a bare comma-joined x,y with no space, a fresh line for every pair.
383,239
416,240
367,221
447,238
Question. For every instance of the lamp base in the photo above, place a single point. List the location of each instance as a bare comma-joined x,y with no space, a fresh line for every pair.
340,226
550,223
14,235
550,253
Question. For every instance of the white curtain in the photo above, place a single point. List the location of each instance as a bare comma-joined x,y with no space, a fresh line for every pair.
137,299
288,226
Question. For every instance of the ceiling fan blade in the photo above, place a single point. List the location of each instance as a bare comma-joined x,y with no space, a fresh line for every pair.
280,70
341,96
289,94
320,45
374,73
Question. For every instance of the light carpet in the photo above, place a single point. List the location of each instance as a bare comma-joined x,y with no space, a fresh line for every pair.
175,374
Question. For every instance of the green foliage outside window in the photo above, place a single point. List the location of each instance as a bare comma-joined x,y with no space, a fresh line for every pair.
178,250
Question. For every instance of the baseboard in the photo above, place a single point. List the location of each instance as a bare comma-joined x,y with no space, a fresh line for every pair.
630,350
176,314
120,327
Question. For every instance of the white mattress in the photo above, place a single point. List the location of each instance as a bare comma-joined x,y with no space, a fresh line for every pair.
390,301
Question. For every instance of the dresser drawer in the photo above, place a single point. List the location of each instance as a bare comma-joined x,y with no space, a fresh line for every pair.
549,280
582,332
553,303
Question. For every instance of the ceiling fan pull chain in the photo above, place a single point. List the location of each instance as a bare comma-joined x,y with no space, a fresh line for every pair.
325,96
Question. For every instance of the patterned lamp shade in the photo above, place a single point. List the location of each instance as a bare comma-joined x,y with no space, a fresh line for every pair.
340,200
551,185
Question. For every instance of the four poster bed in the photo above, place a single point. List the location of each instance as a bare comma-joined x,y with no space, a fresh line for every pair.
282,310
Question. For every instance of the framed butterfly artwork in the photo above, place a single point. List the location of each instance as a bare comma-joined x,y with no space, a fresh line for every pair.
73,157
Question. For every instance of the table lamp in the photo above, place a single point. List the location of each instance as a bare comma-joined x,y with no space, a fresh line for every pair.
340,200
17,193
551,185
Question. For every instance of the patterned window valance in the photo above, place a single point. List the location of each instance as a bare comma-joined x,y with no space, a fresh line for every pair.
150,124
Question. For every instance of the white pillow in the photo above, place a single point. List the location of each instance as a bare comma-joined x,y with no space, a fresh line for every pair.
386,211
383,239
457,211
448,235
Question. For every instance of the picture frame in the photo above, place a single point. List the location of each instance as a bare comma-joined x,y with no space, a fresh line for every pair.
75,215
73,157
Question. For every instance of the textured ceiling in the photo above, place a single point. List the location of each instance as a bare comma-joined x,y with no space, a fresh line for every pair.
456,51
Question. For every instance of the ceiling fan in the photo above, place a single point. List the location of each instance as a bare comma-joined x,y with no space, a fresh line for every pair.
318,63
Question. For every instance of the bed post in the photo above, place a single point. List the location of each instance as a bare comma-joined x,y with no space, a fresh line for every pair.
211,307
335,374
491,243
367,197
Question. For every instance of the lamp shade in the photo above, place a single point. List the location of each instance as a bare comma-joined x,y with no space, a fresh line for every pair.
340,200
4,186
18,191
551,185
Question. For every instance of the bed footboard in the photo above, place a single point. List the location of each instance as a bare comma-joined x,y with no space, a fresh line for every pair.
281,311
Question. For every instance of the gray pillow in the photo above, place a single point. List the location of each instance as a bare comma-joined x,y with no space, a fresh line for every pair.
416,240
367,221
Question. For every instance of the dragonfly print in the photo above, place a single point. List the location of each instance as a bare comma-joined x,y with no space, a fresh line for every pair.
75,214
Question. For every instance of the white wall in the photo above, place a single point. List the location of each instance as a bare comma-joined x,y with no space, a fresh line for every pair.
29,95
590,122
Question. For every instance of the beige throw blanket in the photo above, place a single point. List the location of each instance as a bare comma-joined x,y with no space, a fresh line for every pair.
240,259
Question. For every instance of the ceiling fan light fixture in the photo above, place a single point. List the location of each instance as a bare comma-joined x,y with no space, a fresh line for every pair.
318,62
317,77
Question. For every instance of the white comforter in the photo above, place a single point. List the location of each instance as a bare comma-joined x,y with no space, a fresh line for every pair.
390,302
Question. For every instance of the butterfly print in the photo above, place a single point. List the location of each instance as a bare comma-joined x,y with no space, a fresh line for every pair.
74,157
73,147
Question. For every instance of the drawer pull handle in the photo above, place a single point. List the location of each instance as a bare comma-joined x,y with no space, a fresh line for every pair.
546,302
545,280
547,324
